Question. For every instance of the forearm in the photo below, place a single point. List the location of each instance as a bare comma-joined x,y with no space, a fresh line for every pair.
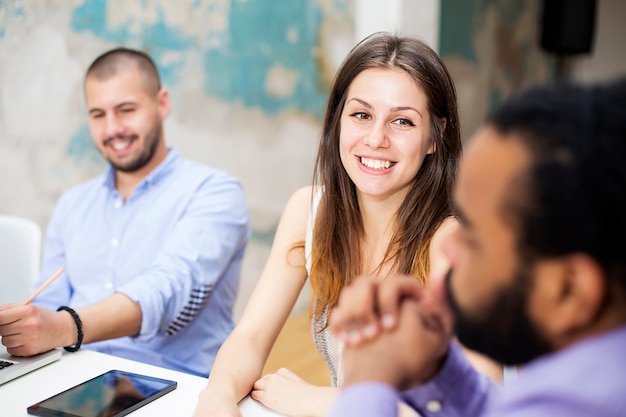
113,317
237,366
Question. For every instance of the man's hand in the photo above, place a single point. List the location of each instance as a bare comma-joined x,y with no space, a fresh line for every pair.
27,330
394,330
404,357
369,306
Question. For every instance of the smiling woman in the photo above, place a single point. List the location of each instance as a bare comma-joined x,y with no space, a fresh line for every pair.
393,102
381,197
384,137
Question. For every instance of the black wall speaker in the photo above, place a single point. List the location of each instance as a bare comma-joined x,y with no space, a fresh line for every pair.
568,26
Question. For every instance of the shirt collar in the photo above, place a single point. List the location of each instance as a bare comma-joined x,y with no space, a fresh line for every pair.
161,171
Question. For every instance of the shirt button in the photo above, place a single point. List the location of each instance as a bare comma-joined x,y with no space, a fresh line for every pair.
117,204
433,406
108,285
114,242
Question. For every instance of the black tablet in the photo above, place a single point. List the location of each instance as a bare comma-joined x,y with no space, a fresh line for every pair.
112,394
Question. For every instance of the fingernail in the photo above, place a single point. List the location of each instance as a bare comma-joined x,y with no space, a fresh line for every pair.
388,321
369,331
354,337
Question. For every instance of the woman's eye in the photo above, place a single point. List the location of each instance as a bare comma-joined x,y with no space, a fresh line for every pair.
360,115
403,122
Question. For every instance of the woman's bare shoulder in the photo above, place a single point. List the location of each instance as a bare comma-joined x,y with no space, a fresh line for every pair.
296,213
447,226
303,193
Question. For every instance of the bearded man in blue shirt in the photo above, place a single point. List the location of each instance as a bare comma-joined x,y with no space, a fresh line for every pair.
152,249
538,275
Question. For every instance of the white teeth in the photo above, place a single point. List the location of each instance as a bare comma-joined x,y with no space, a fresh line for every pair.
119,145
375,163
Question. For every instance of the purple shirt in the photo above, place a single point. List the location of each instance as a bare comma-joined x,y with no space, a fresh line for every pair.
585,379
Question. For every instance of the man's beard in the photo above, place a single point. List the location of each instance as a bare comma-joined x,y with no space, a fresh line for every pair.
146,155
501,330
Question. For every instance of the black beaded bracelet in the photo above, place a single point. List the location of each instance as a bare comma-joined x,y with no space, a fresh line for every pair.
79,328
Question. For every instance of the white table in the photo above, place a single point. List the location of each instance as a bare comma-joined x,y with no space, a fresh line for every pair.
74,368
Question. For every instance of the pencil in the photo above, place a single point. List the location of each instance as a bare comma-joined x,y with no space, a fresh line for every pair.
43,286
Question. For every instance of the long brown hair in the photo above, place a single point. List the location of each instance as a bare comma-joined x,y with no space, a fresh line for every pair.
338,231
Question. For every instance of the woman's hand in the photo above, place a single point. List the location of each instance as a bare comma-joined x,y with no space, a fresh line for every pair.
287,393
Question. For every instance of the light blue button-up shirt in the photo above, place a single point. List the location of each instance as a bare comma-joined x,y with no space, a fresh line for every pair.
175,247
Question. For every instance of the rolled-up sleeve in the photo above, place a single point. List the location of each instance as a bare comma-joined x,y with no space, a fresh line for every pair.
211,229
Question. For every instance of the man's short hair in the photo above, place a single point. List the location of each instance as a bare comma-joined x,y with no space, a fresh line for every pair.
117,60
573,195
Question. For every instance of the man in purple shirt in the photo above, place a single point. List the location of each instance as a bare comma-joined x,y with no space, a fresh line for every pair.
537,279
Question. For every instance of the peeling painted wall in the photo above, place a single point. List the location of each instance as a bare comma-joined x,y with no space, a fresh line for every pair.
248,81
491,49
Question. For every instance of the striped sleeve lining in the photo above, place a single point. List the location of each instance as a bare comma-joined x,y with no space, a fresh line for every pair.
197,299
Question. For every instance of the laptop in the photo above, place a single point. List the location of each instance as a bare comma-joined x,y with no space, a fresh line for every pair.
13,366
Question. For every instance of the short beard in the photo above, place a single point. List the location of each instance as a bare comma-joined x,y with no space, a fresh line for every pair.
152,142
502,330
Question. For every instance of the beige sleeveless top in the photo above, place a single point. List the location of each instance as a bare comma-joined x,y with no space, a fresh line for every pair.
325,341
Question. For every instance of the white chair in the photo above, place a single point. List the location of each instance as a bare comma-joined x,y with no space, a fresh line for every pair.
20,257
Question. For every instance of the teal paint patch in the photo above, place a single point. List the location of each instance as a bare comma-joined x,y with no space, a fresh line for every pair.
11,11
462,19
457,27
82,150
342,6
157,39
91,16
258,41
260,36
161,39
